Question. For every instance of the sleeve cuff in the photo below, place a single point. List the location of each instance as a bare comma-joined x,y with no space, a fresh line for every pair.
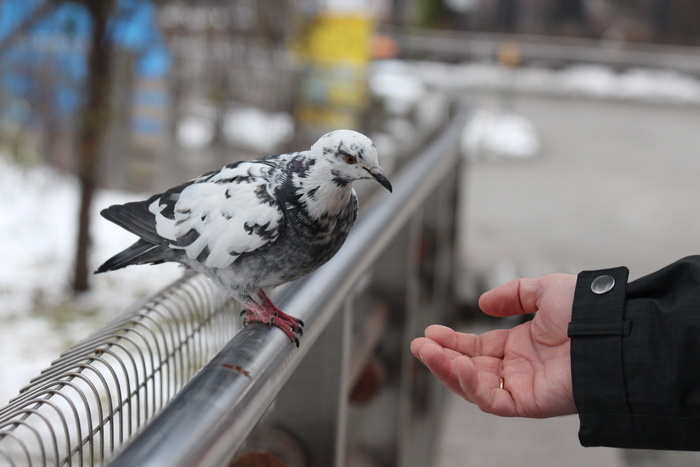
596,330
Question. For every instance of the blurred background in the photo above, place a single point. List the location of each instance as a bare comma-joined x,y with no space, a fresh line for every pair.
581,152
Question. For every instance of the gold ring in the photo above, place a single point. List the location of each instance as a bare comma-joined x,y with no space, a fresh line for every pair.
501,383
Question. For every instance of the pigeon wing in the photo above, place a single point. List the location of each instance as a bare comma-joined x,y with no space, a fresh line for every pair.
220,216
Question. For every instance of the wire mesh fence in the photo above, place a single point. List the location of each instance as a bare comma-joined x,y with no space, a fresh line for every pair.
102,390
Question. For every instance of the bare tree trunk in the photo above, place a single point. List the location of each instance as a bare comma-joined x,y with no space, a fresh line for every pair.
94,121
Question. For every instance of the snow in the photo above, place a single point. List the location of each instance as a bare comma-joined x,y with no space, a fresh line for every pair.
195,132
500,133
39,316
257,130
493,135
401,91
243,126
595,81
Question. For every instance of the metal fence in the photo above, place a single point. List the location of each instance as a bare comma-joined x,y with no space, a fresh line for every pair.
350,395
101,391
554,51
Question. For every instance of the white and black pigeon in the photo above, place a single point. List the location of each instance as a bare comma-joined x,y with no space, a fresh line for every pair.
254,225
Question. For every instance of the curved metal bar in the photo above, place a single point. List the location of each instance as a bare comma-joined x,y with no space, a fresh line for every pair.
155,363
193,297
78,447
100,415
121,323
125,400
49,426
210,418
66,430
109,403
26,413
73,359
173,354
36,434
10,461
25,451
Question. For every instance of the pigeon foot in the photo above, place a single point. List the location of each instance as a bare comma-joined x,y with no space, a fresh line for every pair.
268,313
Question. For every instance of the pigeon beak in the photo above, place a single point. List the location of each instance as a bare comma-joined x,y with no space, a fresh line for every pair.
379,176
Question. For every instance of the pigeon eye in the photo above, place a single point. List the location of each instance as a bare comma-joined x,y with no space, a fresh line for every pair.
350,159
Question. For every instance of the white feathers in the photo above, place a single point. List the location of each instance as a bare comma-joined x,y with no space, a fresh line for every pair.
218,219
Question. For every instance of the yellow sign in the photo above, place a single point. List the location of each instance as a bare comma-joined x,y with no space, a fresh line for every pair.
339,38
337,49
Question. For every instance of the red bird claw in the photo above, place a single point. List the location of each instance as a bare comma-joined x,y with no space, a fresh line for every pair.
291,326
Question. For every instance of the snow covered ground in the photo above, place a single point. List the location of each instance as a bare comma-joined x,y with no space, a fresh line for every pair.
595,81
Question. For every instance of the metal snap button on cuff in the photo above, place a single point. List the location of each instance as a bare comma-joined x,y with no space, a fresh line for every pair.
602,284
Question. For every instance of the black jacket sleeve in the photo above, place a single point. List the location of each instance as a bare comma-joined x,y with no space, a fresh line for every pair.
635,357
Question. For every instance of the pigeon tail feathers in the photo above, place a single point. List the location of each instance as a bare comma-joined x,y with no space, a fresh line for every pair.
141,252
136,218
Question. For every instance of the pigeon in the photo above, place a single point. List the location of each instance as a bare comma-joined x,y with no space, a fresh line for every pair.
254,225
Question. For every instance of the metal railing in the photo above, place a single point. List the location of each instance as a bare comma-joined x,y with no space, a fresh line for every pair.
99,392
350,391
551,50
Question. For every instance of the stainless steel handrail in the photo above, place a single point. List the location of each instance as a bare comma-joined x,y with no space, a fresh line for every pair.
211,417
552,49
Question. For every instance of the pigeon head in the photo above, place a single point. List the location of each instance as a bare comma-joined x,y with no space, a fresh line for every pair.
351,156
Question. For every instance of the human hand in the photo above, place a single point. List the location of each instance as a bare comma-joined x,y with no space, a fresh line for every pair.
520,372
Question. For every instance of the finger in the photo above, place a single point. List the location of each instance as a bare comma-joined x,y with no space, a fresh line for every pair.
491,344
469,382
439,361
484,388
418,343
514,298
436,358
451,339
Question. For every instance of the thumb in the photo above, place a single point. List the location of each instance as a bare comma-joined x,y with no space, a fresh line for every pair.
514,298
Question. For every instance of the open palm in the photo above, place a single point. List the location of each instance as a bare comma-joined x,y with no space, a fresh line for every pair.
524,371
